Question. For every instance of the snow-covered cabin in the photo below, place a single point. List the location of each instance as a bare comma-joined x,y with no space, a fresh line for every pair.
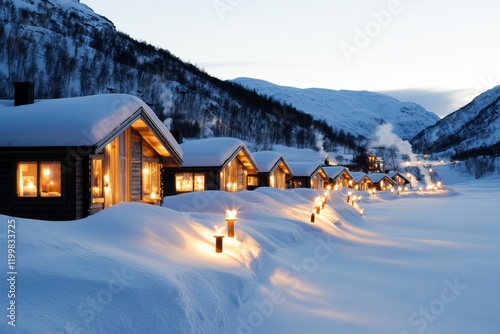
210,164
338,176
64,159
273,171
400,179
308,175
381,181
361,181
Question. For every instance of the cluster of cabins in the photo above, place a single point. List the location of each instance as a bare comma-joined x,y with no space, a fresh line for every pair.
69,158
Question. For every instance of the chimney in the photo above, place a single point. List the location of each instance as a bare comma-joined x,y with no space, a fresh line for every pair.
24,93
177,136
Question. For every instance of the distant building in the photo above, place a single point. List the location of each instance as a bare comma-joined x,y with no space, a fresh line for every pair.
308,175
338,176
273,171
361,181
210,164
381,181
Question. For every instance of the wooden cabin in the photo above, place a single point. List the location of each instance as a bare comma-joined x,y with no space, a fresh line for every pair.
308,175
210,164
400,179
381,181
338,176
65,159
361,181
273,171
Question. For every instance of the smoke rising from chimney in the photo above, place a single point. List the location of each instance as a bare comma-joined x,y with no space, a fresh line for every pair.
386,138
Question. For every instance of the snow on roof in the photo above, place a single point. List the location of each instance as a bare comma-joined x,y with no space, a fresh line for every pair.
303,168
358,176
77,121
392,174
266,160
334,171
211,152
377,177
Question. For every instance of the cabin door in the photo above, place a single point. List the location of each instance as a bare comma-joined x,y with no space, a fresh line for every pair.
117,170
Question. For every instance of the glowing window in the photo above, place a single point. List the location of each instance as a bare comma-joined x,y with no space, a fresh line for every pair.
189,182
253,181
184,182
199,182
151,180
97,179
36,179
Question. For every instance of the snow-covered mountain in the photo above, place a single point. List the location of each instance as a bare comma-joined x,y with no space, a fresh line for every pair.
470,131
67,50
356,112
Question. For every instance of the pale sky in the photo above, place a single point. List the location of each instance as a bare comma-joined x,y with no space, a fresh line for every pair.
439,54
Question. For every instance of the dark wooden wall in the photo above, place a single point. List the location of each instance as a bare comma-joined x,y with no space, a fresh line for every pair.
71,205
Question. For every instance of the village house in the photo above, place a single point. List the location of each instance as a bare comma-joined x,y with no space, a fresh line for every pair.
65,159
381,181
308,175
400,179
210,164
273,171
338,176
361,181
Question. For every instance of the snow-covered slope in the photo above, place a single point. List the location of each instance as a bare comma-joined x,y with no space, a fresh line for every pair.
475,126
356,112
138,268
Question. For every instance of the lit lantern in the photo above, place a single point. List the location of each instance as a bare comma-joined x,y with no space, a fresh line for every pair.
354,198
323,201
230,219
218,235
349,196
313,216
317,204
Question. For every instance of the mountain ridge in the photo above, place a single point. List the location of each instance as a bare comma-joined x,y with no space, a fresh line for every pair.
470,131
357,112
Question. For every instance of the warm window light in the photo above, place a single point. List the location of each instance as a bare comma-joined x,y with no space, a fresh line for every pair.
46,172
153,195
145,171
106,181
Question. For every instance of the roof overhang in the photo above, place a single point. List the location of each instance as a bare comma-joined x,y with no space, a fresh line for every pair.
142,123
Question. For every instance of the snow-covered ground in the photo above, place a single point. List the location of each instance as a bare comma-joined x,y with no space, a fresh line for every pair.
413,263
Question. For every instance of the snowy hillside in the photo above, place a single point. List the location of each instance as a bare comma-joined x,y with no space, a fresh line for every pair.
138,268
471,130
68,50
356,112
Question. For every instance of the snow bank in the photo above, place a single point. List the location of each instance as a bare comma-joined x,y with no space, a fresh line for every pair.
415,262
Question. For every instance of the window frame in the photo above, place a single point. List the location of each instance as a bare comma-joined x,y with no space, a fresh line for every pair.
192,176
38,183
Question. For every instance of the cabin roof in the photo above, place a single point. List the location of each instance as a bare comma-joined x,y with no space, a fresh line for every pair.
335,171
394,174
216,152
268,160
306,169
359,176
89,121
377,177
